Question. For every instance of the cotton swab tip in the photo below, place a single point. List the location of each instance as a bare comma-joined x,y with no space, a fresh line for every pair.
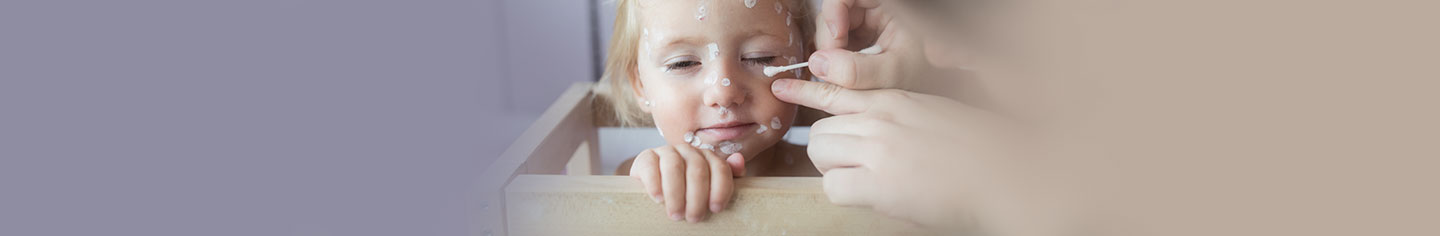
872,50
771,71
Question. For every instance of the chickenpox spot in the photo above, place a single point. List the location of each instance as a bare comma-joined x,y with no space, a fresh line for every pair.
725,82
762,129
689,137
775,122
750,3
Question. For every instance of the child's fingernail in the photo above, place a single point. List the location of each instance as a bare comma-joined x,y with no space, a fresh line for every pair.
676,217
715,207
657,199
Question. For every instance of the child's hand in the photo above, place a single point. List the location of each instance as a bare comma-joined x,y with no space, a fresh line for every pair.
688,180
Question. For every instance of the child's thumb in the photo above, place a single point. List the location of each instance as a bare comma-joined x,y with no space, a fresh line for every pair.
737,164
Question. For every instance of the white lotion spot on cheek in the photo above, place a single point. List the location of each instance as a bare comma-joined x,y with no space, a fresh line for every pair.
775,122
714,50
706,146
725,82
787,19
778,8
700,14
750,3
762,129
689,137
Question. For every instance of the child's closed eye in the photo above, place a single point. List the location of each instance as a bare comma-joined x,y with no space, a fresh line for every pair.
680,65
759,61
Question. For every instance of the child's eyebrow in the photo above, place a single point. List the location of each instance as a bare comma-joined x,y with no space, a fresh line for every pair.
675,41
692,40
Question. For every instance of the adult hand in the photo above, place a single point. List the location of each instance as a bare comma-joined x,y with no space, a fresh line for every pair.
847,26
919,157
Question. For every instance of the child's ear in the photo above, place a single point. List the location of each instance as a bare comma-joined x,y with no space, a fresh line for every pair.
638,88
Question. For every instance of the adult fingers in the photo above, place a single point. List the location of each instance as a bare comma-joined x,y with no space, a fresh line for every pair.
837,17
823,96
850,186
834,151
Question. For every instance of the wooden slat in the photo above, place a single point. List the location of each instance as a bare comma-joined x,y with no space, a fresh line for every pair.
616,205
585,161
544,148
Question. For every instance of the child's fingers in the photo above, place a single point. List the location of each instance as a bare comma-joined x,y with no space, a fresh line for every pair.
722,183
737,165
672,181
697,184
644,169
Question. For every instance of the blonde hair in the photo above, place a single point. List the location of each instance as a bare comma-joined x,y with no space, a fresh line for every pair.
614,94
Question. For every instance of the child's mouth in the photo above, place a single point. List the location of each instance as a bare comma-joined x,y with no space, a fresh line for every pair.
727,131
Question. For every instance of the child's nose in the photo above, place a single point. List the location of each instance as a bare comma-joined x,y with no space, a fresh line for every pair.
730,87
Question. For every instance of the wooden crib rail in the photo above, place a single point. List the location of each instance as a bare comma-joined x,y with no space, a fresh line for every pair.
524,192
617,205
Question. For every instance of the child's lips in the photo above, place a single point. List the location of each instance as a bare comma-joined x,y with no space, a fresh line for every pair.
728,131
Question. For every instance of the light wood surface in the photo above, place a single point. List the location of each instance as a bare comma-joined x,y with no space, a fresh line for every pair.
616,205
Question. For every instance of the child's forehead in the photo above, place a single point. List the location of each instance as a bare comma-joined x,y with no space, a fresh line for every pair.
712,15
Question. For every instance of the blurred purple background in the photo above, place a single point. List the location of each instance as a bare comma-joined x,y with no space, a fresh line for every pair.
271,117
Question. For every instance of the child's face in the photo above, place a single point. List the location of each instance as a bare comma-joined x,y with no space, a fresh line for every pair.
701,67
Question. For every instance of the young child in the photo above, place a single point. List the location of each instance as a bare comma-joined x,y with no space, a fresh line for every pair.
694,69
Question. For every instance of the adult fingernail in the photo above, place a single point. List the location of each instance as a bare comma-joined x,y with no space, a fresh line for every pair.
676,217
779,86
834,34
818,64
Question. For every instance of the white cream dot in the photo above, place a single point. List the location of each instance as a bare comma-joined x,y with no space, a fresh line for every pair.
775,122
750,3
725,82
700,14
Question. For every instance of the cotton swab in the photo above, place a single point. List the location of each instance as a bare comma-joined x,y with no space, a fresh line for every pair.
771,71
